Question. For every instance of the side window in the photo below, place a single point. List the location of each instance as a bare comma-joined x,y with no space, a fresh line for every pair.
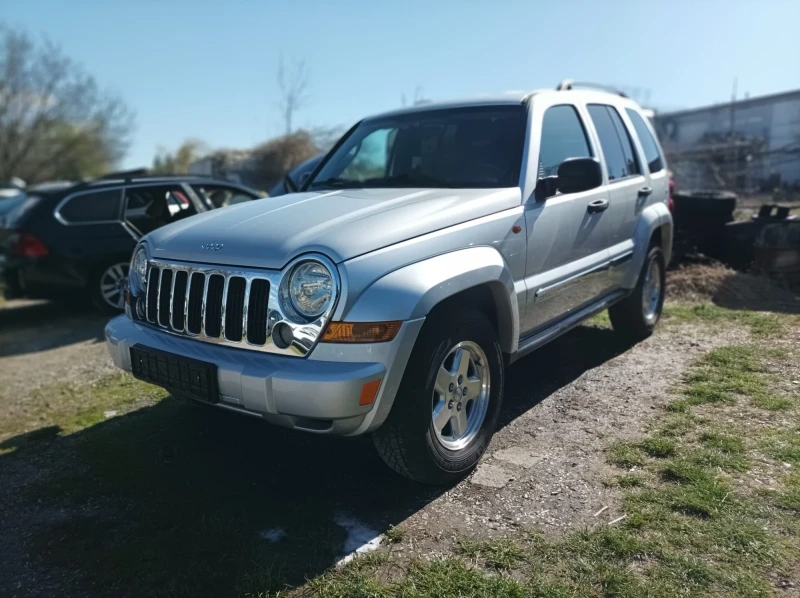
655,162
563,137
631,160
100,206
148,208
615,141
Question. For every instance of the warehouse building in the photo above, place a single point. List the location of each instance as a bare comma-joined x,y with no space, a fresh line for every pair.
747,145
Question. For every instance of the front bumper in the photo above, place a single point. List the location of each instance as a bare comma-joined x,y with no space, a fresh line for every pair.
319,393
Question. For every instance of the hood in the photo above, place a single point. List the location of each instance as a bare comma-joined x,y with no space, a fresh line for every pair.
342,224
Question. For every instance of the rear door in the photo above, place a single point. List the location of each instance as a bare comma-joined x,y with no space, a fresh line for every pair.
91,229
567,238
220,195
148,207
628,183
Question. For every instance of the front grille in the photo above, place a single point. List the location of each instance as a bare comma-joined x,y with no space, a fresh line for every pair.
208,304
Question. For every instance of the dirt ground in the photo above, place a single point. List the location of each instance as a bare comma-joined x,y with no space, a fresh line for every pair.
83,514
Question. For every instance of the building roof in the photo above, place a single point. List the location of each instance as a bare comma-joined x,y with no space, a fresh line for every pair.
767,99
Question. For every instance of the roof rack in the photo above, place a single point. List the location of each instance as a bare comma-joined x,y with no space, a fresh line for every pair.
568,84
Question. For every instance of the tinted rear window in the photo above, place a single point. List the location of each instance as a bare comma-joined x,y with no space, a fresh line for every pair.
95,206
651,152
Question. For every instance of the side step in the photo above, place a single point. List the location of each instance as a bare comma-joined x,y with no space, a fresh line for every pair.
536,340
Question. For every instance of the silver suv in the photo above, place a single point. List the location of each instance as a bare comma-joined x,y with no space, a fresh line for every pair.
431,247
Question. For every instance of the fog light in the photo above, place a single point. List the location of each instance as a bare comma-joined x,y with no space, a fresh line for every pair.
282,335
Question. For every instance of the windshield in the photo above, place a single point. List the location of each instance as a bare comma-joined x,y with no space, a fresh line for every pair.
466,147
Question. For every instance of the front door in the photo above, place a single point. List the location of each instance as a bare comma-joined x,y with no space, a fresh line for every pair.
567,233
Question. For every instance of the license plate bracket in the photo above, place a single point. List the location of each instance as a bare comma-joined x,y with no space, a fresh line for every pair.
182,376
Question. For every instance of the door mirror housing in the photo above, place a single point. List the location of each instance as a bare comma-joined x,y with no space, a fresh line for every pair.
303,179
290,185
579,174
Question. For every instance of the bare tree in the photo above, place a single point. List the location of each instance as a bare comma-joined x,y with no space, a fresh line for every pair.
55,121
419,98
179,162
293,85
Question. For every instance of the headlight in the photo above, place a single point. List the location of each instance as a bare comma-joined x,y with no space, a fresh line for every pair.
138,275
311,289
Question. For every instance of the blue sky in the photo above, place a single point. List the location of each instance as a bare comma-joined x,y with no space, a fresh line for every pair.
207,68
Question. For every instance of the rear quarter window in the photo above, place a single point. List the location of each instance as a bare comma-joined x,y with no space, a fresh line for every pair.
95,206
655,161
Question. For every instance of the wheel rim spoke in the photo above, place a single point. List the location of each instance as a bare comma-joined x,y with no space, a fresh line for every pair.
441,415
460,395
443,381
459,423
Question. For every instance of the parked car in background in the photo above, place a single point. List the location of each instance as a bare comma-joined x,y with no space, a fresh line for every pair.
61,239
296,177
432,246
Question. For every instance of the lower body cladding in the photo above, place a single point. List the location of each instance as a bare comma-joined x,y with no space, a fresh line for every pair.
331,391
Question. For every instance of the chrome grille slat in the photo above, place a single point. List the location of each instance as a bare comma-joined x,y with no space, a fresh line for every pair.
170,322
158,296
248,282
203,306
224,304
218,304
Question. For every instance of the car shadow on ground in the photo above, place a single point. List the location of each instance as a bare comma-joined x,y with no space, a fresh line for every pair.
28,327
177,499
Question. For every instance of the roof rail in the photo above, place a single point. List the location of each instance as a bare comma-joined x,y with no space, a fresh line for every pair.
568,84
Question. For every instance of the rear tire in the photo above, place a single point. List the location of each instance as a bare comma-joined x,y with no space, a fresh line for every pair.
436,432
636,316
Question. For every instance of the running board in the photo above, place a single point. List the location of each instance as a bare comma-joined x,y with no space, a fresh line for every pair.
538,339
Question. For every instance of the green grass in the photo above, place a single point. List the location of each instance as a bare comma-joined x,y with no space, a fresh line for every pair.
68,407
393,535
690,528
760,324
625,455
659,446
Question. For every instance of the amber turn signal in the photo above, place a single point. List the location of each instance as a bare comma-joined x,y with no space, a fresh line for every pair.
368,392
361,332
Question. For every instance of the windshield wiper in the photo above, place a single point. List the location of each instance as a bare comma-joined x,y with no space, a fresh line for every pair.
410,179
335,183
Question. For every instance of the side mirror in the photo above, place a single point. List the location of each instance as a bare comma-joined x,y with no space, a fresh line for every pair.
579,174
303,179
290,185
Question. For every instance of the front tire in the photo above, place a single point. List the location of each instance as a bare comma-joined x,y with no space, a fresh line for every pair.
449,400
636,316
107,287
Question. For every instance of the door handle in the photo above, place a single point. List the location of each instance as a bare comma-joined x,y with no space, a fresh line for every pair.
645,191
597,206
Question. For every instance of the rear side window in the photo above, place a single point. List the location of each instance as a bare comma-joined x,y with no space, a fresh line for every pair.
97,206
563,136
655,162
615,141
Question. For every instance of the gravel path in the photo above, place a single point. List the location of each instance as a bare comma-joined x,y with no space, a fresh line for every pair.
44,343
545,470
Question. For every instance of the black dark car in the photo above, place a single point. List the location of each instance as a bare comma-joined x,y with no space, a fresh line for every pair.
66,238
296,177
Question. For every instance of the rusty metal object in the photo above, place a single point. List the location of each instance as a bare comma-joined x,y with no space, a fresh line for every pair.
777,247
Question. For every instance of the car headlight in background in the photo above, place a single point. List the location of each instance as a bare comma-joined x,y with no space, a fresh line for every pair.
138,272
311,289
